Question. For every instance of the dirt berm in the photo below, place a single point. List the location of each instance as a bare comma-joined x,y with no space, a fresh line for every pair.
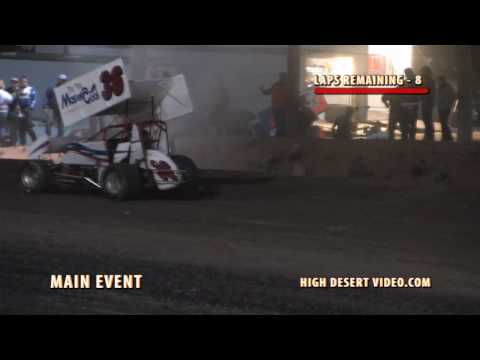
395,164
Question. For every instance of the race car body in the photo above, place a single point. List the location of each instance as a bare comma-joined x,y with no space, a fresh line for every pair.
120,159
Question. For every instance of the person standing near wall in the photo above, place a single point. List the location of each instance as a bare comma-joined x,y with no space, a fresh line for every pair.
25,102
410,106
11,119
428,102
392,102
279,93
446,101
5,100
306,117
52,109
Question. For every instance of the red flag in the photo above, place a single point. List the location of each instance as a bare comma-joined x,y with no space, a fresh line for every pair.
322,104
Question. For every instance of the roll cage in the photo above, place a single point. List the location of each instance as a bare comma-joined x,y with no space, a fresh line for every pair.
150,131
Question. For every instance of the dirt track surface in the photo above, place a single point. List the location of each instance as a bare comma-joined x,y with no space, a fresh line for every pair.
240,247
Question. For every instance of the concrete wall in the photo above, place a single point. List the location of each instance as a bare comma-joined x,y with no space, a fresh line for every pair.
239,69
234,72
240,74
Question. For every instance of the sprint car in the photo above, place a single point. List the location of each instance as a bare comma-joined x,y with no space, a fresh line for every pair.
120,160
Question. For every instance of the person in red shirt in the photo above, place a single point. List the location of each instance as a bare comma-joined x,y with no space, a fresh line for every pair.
279,94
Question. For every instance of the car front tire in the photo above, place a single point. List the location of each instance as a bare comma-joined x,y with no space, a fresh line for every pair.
123,182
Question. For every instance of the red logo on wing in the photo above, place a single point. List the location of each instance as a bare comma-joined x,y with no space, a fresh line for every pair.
163,170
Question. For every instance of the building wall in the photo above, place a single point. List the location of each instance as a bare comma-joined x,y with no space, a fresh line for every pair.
212,75
359,56
213,72
239,69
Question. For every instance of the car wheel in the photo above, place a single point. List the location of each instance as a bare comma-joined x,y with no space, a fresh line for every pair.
35,177
188,166
123,182
191,185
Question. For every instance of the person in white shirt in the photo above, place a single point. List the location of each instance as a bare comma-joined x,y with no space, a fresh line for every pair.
5,100
25,102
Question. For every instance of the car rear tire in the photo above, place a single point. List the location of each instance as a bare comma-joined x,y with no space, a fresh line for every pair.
35,177
123,182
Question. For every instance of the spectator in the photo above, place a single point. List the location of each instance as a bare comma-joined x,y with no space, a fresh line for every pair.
25,102
306,117
318,103
446,101
410,105
52,109
428,102
11,120
5,100
393,102
264,125
279,94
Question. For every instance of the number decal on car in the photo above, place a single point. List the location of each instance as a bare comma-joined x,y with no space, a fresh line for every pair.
163,170
113,83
